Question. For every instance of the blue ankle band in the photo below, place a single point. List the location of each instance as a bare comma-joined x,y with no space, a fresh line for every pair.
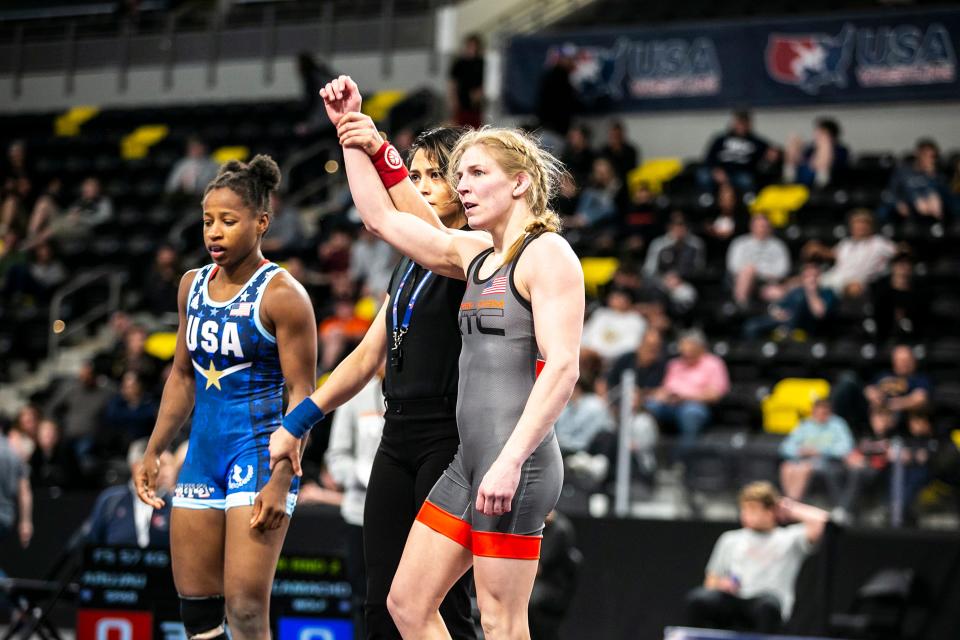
302,418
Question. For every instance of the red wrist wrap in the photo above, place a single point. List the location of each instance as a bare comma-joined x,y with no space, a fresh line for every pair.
389,165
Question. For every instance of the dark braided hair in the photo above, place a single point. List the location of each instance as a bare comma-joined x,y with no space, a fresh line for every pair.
253,181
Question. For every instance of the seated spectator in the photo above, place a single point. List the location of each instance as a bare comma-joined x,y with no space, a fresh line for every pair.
735,156
131,355
867,466
694,380
74,228
647,364
162,282
614,329
77,405
466,83
815,447
340,332
38,279
130,414
729,216
901,389
750,578
28,421
677,251
807,307
900,305
583,418
602,201
286,234
556,580
16,497
818,163
858,259
53,464
371,264
757,258
577,155
621,154
17,183
639,223
920,447
192,173
46,209
120,518
918,189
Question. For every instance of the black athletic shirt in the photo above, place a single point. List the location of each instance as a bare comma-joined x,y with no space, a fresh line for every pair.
431,347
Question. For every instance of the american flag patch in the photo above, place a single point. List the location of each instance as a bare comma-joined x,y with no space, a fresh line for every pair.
241,310
497,285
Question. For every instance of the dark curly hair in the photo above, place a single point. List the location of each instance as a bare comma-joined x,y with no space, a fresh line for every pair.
253,181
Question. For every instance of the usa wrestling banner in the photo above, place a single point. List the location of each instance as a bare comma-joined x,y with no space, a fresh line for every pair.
893,56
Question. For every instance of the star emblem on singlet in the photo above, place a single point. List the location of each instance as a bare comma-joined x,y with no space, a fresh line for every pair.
213,375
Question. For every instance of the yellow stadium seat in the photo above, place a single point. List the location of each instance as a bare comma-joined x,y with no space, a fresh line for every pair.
778,201
379,105
597,272
366,308
226,154
955,436
69,123
791,400
161,344
654,172
136,145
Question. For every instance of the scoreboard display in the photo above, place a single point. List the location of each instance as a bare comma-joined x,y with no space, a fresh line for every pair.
127,593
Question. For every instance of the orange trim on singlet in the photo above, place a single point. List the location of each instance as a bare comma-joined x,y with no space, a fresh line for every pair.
541,363
445,523
506,545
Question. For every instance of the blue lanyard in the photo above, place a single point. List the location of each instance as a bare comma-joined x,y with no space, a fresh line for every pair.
402,329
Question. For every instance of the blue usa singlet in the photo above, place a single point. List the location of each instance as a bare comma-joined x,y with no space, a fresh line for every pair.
239,396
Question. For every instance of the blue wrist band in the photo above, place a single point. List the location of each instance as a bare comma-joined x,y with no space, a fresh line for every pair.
302,418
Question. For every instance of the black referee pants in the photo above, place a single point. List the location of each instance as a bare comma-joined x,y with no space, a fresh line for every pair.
414,451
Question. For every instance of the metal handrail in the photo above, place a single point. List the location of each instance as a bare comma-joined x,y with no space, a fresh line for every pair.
104,310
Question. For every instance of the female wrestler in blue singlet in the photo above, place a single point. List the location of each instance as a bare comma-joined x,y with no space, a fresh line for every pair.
246,328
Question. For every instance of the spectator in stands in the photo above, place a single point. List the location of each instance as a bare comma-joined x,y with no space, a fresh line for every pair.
28,421
729,217
818,163
371,264
694,381
162,282
46,209
74,228
677,251
313,75
900,305
868,465
858,259
556,579
17,185
577,155
354,441
614,329
815,447
640,222
192,173
919,190
901,389
602,201
130,414
132,355
735,157
286,233
759,258
920,448
16,498
807,307
583,418
53,464
334,258
37,279
674,257
751,575
78,405
557,100
466,83
340,332
120,518
647,363
621,154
